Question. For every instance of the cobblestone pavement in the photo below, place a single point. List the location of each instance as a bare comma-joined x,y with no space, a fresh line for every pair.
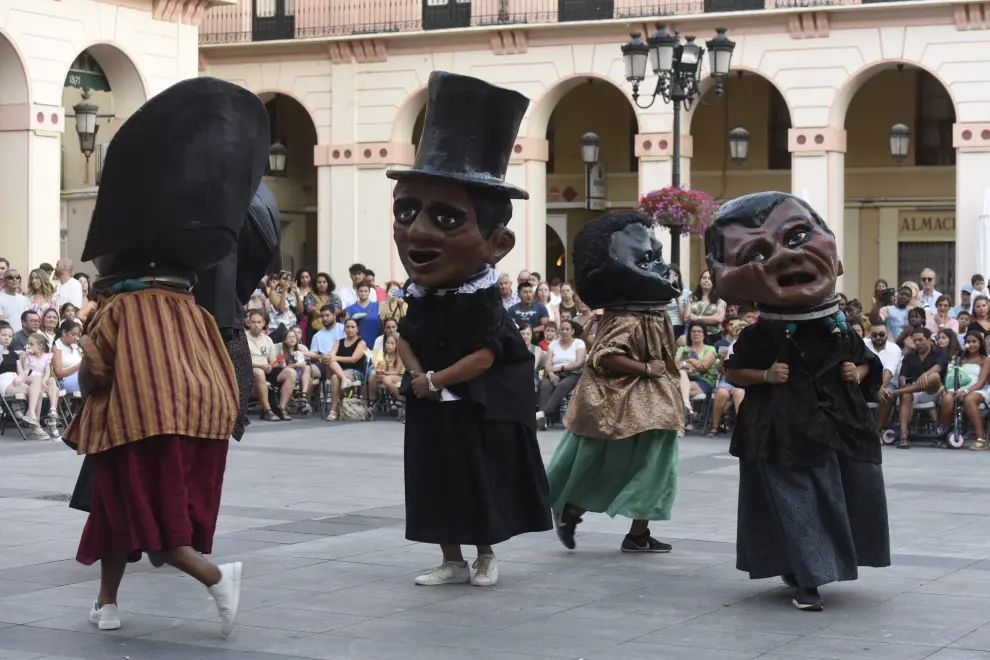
314,510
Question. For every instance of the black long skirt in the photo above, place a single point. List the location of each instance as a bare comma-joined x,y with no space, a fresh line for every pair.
818,524
471,481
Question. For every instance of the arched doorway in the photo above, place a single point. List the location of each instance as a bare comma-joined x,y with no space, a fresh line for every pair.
900,189
556,258
104,82
753,103
15,185
294,186
590,105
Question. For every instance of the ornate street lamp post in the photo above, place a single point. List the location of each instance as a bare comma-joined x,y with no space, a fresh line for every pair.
677,66
590,151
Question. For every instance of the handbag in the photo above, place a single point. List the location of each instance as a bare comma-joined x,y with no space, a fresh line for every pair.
355,409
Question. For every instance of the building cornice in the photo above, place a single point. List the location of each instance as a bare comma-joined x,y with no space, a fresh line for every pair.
190,12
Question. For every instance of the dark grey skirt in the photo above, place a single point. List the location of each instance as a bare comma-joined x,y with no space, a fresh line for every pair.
818,524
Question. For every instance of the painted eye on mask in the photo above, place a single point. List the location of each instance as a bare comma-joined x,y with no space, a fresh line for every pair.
648,258
798,237
446,221
405,215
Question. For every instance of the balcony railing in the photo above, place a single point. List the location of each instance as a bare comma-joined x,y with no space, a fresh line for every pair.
266,20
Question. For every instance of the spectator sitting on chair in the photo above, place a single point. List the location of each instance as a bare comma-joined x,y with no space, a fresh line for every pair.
49,326
922,374
295,360
697,366
963,319
966,386
549,334
326,339
529,312
388,369
30,324
365,312
725,390
347,365
263,363
13,384
67,356
68,312
34,365
562,370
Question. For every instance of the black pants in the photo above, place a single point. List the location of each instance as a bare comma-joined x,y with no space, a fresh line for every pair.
551,396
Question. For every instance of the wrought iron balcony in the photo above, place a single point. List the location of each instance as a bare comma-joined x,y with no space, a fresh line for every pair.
266,20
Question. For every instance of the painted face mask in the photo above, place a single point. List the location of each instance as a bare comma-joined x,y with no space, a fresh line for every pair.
772,250
621,263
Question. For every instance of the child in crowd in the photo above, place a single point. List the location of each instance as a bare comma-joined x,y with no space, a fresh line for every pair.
548,336
36,364
68,312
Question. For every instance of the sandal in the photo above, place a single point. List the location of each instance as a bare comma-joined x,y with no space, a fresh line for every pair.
979,445
903,443
332,417
269,416
284,416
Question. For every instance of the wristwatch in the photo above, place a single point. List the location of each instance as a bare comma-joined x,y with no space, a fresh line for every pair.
429,382
648,372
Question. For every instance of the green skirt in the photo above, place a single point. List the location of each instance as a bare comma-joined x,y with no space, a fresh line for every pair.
635,477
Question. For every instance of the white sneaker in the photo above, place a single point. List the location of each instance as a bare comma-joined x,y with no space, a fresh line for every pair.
106,617
227,595
30,419
485,571
448,572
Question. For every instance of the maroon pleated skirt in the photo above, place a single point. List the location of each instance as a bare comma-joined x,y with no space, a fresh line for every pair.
156,494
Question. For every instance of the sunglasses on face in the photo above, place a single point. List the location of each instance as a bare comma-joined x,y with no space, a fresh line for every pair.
927,279
12,277
878,335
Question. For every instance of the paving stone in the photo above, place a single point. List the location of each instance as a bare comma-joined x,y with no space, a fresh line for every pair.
317,516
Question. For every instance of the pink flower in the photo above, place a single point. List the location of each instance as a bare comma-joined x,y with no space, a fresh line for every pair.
691,210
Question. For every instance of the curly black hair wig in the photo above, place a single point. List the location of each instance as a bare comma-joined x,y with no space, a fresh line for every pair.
591,245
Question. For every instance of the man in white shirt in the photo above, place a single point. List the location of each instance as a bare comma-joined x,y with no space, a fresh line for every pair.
69,289
12,303
348,294
890,357
929,296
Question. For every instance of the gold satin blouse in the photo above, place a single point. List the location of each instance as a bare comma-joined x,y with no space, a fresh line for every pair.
612,406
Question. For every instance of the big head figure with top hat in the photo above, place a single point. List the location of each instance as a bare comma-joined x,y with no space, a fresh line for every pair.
452,206
179,177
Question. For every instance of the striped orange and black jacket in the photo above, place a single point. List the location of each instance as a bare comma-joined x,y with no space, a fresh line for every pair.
161,369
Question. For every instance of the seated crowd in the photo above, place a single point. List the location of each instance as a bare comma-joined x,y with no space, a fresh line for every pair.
40,355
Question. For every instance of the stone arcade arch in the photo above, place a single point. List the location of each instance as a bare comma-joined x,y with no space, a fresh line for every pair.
116,85
888,202
17,122
295,189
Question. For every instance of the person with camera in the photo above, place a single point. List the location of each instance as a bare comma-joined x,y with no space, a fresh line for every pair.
283,296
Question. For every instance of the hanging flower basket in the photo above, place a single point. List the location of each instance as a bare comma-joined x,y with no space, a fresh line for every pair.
689,210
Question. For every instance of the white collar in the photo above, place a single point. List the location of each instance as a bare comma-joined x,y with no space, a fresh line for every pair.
486,280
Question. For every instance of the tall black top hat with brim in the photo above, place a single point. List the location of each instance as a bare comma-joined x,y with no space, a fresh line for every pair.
469,131
178,179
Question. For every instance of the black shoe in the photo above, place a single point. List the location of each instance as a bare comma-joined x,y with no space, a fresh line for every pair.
566,525
644,543
807,599
789,580
156,559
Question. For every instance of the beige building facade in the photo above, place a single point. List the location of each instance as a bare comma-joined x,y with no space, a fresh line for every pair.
817,83
120,52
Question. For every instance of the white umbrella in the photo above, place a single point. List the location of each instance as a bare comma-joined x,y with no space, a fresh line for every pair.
983,243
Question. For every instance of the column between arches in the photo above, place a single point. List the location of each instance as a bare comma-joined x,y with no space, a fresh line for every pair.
528,170
818,160
972,143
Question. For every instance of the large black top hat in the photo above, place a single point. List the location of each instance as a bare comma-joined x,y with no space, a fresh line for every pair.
224,289
178,179
468,133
